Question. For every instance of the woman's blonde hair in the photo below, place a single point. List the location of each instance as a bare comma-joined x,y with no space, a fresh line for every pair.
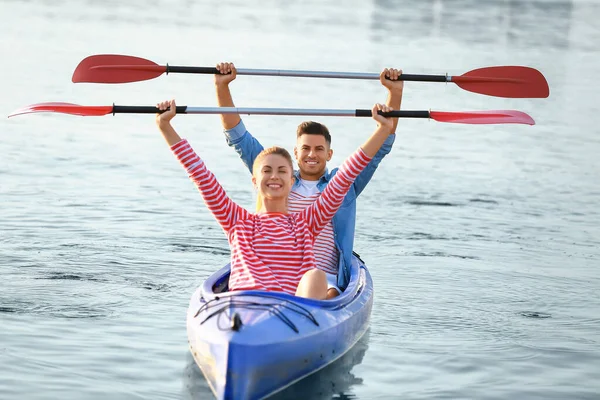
280,151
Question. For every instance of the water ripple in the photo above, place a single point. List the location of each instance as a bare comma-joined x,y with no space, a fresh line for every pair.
432,203
442,255
534,314
69,276
195,248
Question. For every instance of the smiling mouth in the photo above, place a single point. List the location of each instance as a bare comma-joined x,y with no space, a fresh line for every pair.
274,186
310,162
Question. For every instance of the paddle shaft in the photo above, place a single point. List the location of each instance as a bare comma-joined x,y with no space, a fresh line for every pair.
308,74
273,72
270,111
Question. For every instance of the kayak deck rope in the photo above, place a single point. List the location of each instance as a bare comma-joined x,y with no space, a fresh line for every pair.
273,308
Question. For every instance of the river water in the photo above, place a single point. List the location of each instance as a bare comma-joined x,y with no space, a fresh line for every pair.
483,240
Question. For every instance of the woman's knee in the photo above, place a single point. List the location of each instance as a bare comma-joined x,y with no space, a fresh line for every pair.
313,284
315,274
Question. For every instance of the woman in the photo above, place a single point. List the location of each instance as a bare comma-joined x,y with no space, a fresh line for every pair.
272,249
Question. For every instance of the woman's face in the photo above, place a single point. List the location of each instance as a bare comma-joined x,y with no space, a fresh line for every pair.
273,177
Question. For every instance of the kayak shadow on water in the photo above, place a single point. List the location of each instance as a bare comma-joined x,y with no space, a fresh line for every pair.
195,385
332,382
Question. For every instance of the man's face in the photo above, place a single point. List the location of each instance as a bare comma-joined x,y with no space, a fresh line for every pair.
312,153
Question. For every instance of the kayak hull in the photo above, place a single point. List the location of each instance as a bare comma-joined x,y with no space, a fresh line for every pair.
251,344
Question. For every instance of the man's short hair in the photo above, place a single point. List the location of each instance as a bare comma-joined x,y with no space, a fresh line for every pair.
314,128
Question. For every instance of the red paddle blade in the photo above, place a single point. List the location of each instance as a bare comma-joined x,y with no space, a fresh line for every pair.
114,68
506,81
64,108
483,117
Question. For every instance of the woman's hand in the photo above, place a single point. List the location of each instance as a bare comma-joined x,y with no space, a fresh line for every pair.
164,118
383,122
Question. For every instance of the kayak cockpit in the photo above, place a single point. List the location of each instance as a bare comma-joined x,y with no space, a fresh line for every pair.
217,285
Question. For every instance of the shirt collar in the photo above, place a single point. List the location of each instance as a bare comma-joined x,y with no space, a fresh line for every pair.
324,178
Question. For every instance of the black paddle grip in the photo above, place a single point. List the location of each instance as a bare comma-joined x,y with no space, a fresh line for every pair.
193,70
144,110
422,78
395,114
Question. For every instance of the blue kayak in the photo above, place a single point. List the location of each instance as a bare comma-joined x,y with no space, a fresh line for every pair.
252,344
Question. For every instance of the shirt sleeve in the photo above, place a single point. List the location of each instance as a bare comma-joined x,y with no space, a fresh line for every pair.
365,176
246,145
225,210
236,133
320,212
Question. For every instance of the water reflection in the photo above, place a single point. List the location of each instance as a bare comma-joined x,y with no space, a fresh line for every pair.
539,24
556,24
332,382
516,22
195,385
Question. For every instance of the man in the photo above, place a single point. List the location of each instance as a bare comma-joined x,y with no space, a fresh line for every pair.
333,247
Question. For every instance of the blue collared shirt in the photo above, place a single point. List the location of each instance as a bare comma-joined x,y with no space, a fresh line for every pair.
344,219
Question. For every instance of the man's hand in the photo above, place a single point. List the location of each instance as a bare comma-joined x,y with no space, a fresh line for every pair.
227,73
382,121
392,84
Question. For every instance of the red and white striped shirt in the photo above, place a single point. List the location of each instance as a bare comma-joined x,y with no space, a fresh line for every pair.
326,253
269,251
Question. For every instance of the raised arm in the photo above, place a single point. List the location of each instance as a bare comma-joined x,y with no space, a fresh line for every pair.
236,134
320,212
383,130
395,89
163,121
225,211
224,99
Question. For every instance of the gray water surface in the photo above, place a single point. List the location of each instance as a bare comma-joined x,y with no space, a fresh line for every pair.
483,241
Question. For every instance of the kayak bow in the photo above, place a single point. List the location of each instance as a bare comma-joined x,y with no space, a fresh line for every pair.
251,344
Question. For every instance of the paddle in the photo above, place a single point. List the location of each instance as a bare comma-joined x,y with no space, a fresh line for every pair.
468,117
507,81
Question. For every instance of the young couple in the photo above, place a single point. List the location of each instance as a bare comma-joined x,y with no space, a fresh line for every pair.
300,239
